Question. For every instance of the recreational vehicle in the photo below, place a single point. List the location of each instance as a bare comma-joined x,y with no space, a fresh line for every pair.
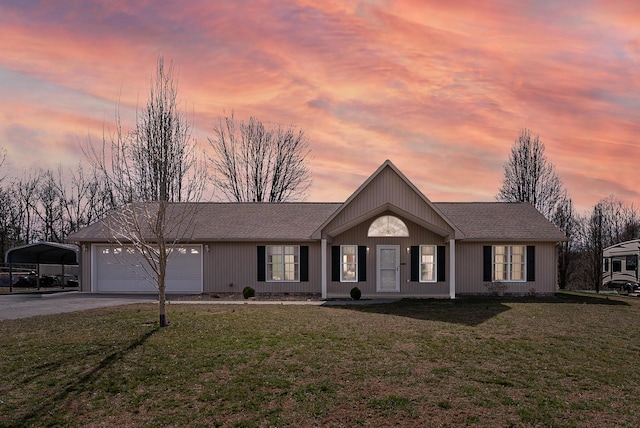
620,266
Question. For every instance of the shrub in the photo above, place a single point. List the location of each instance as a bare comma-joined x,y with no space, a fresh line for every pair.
355,293
248,292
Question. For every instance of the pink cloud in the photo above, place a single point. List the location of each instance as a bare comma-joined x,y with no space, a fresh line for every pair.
441,89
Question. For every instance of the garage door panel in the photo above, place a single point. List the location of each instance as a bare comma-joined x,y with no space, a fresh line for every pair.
123,270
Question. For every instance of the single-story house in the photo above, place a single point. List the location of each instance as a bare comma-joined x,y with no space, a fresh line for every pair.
387,238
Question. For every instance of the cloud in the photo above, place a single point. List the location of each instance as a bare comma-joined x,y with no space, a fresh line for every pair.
441,89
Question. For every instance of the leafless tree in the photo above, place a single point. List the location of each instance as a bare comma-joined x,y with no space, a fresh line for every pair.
147,170
594,244
610,221
566,220
25,191
256,164
530,177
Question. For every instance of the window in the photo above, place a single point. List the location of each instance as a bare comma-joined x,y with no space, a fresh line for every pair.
349,262
283,263
427,263
616,265
509,263
631,263
388,226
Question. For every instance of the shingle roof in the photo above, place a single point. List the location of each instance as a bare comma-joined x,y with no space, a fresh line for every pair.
500,221
242,221
489,221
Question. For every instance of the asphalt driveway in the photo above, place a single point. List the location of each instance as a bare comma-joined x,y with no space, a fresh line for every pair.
24,305
14,306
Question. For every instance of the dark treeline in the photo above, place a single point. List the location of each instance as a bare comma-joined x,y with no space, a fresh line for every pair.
48,205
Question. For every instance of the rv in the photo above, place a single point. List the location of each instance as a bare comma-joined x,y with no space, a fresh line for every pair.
620,266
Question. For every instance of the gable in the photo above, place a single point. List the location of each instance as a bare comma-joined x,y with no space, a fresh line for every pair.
387,190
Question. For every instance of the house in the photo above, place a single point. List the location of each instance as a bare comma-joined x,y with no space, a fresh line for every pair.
387,238
620,265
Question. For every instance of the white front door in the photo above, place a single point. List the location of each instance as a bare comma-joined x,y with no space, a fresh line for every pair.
388,268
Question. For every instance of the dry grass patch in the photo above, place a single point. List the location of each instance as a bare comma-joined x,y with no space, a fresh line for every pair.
565,361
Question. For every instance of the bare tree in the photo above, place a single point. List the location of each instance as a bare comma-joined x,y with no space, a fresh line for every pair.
49,208
594,227
565,219
530,177
256,164
611,221
25,190
147,170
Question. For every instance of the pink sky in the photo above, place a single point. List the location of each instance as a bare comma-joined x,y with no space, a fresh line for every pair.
442,89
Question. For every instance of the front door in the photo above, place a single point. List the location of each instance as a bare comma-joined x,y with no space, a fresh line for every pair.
388,268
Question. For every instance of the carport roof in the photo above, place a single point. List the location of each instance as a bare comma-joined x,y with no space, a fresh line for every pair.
44,253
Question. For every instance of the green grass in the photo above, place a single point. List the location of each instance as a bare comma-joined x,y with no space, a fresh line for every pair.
567,362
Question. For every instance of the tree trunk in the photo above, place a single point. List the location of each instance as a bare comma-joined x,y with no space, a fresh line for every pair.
162,310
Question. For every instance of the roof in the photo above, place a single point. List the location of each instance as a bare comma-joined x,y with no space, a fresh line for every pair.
227,221
44,253
240,221
495,221
305,221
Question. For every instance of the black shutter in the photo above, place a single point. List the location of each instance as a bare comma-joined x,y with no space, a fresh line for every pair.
362,263
415,263
442,276
486,263
262,263
335,263
531,263
304,263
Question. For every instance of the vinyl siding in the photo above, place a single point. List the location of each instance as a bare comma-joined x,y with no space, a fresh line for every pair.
358,236
469,269
85,267
231,266
387,188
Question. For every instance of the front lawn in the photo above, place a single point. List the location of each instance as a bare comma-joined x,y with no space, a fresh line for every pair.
566,361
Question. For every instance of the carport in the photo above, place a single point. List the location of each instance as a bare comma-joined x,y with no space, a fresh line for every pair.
42,253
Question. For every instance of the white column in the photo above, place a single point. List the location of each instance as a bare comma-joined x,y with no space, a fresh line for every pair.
323,266
452,268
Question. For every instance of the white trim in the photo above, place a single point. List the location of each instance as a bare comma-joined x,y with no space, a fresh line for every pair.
435,264
323,267
452,268
296,264
342,263
379,248
509,263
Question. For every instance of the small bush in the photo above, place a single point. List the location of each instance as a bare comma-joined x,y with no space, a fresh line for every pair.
355,293
248,292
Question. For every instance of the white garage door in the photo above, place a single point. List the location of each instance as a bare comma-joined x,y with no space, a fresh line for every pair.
122,270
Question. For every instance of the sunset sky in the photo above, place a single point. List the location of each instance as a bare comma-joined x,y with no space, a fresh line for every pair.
441,88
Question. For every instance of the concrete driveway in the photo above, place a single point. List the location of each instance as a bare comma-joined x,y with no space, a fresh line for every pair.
14,306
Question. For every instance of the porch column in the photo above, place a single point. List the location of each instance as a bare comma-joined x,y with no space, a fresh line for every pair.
323,267
452,268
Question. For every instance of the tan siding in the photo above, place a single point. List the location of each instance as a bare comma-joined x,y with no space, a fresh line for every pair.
229,267
469,269
388,187
85,267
